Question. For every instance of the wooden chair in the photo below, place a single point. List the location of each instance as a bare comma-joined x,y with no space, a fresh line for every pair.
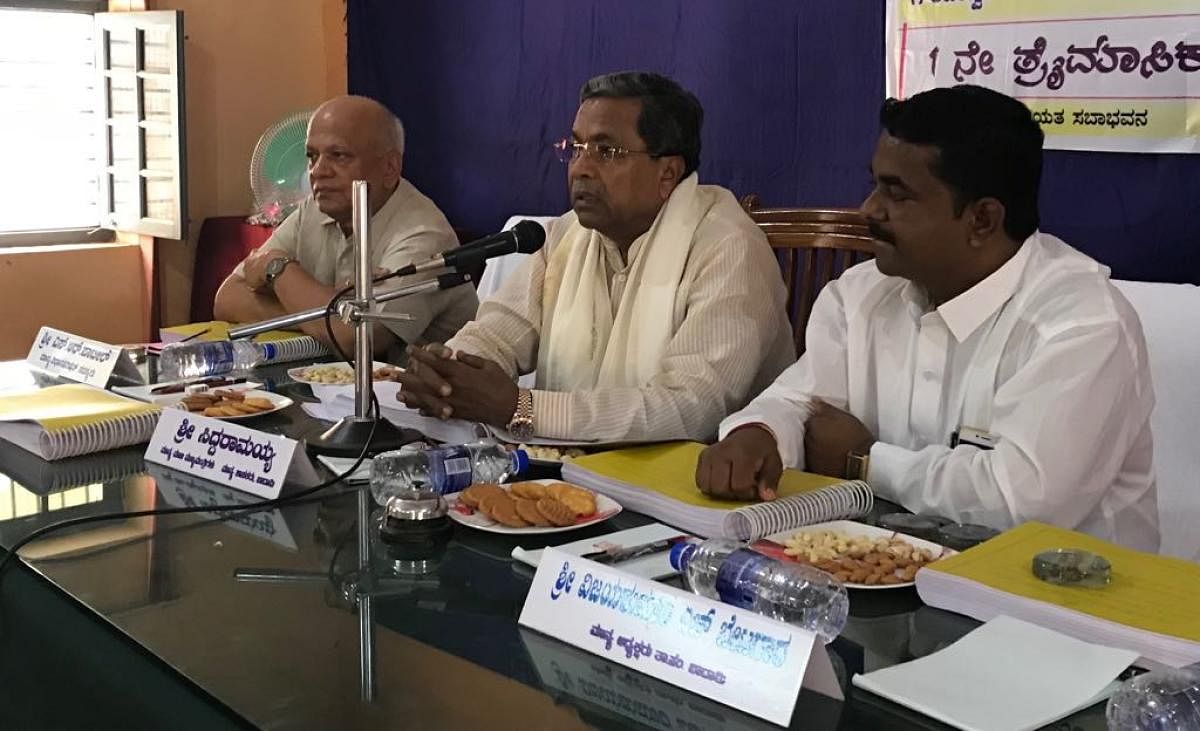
814,246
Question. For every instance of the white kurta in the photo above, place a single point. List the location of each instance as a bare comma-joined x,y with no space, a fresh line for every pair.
1044,354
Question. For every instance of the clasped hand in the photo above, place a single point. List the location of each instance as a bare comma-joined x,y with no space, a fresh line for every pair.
444,384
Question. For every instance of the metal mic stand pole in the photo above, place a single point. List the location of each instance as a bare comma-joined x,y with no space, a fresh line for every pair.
352,434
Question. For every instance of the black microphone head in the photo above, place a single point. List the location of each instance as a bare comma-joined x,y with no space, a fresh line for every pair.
530,236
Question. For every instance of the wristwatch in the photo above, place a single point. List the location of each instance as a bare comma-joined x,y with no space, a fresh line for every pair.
858,463
521,424
275,267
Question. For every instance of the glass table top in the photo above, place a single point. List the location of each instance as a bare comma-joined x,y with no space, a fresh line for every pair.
275,615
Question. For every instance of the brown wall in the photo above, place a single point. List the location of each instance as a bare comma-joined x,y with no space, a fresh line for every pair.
248,63
95,291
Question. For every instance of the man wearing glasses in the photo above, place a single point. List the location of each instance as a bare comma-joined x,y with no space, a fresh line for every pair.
655,308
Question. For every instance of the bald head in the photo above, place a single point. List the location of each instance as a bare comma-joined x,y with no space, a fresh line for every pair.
353,138
364,117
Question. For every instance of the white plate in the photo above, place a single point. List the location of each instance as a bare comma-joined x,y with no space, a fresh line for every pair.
606,508
297,374
851,528
145,393
281,402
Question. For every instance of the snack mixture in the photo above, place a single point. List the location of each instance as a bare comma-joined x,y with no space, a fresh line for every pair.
526,504
859,559
341,374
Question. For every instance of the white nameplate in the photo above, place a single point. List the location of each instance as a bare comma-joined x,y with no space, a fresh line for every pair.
184,491
726,654
245,459
79,359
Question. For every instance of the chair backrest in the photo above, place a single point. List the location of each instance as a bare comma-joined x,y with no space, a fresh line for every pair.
814,246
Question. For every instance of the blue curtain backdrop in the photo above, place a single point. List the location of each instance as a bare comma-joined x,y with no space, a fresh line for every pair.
791,91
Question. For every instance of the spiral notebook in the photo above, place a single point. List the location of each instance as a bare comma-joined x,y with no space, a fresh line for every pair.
65,421
660,480
289,345
40,477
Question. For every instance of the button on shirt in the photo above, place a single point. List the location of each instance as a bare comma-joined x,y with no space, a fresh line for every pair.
1045,355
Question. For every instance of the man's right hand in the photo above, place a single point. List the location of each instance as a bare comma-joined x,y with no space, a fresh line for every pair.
743,466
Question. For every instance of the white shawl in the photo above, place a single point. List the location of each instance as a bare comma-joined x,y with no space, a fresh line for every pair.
583,345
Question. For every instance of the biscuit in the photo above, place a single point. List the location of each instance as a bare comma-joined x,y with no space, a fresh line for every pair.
262,404
555,512
229,394
531,490
579,500
241,407
473,494
528,511
214,411
502,509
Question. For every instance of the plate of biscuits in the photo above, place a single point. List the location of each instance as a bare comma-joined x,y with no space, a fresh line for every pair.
232,404
534,506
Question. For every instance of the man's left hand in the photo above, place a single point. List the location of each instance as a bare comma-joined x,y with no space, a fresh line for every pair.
254,268
830,434
473,388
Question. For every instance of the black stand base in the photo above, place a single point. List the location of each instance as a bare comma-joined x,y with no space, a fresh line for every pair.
347,437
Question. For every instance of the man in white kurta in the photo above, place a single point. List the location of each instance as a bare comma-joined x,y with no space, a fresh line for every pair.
655,308
1021,392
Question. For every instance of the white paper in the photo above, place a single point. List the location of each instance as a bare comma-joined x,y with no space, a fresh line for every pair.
79,359
730,655
1007,675
654,566
239,457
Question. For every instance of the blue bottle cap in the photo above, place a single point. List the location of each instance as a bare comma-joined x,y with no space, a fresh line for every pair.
680,554
520,460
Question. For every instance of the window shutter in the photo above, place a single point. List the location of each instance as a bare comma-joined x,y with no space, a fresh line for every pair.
139,65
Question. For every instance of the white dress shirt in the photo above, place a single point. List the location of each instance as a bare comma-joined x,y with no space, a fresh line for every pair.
1045,355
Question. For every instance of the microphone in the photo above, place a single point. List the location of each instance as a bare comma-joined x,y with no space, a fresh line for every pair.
524,238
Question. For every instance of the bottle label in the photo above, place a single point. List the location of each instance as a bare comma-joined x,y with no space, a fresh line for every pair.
218,357
450,469
735,584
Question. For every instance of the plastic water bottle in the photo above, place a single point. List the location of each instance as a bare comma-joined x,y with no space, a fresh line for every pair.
211,358
442,470
1163,700
731,572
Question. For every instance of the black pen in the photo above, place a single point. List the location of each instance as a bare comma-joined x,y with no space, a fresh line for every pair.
620,554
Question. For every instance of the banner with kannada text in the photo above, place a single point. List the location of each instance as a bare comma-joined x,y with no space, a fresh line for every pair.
1110,75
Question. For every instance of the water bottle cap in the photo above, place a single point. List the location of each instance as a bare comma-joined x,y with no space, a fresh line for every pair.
520,460
680,554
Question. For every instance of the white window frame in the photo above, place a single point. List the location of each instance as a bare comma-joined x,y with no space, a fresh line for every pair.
110,223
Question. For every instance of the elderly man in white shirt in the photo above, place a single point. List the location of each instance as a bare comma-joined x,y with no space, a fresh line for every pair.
978,368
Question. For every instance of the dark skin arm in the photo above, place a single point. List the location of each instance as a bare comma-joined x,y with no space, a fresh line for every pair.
746,465
461,386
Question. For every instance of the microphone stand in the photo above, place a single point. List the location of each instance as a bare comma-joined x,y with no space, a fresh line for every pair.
352,434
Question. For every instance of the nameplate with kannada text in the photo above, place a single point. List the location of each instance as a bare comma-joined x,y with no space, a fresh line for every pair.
729,655
230,454
79,359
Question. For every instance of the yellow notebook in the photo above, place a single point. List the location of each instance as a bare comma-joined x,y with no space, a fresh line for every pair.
219,330
283,346
660,480
64,421
1150,606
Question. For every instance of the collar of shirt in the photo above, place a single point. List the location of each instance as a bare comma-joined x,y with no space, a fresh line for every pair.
966,312
382,216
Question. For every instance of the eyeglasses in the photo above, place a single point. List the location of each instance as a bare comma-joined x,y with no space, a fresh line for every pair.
567,151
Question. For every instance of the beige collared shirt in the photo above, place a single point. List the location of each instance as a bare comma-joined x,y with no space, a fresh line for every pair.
408,228
733,338
1045,355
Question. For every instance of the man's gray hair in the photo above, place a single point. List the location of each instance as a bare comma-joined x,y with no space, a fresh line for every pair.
396,138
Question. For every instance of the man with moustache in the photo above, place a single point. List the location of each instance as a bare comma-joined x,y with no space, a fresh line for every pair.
978,368
654,309
310,256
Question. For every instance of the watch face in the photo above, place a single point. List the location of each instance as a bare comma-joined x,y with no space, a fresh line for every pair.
521,429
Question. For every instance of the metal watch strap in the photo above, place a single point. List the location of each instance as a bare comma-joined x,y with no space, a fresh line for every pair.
523,414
